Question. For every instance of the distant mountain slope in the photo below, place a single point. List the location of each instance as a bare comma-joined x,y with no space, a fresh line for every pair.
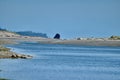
30,33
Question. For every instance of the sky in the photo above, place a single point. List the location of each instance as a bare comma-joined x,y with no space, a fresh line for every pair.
70,18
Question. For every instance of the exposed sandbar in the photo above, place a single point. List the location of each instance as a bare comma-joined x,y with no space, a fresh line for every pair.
83,42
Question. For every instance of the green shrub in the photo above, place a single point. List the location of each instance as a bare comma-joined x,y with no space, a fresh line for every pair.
4,49
115,37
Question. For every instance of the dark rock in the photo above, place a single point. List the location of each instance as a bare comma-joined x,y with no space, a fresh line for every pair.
57,36
14,56
78,38
23,57
20,56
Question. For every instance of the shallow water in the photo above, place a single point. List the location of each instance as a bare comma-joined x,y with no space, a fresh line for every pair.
62,62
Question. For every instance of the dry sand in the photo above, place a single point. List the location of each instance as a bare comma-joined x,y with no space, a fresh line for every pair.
41,40
83,42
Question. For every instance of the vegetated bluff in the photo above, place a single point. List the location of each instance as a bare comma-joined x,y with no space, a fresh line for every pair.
30,33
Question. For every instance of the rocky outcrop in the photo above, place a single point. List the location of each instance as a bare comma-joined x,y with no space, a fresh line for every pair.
20,56
9,54
57,36
6,53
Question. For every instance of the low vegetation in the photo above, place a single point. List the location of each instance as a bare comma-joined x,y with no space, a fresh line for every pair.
115,37
4,49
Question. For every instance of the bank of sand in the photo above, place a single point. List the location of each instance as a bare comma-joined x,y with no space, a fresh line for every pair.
89,42
82,42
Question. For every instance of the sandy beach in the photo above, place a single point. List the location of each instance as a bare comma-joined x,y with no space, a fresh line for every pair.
95,42
81,42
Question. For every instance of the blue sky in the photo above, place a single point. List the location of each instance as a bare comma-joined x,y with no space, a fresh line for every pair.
70,18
